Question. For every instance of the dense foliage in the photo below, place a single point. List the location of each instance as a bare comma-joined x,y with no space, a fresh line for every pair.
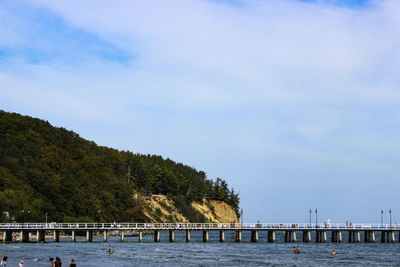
44,169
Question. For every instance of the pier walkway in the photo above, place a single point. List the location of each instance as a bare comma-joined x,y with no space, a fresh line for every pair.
292,232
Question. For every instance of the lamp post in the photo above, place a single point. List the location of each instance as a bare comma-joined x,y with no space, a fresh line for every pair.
23,218
390,213
381,218
241,216
310,217
46,219
316,218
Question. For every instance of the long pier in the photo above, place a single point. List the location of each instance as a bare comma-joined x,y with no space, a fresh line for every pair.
292,232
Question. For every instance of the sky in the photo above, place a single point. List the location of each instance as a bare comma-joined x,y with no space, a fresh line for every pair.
295,103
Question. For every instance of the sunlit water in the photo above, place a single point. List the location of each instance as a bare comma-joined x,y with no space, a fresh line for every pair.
197,253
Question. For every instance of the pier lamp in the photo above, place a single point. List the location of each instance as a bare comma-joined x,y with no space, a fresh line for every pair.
23,218
381,218
390,213
316,218
241,216
310,217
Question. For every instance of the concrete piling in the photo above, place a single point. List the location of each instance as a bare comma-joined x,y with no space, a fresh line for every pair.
122,236
89,236
73,238
56,236
306,236
372,238
40,236
221,236
383,236
324,237
171,236
238,236
156,236
7,236
187,236
358,238
254,236
334,237
105,236
271,236
205,236
140,236
392,237
24,236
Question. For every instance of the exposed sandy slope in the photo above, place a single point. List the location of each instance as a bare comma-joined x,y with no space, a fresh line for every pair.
160,209
167,208
216,211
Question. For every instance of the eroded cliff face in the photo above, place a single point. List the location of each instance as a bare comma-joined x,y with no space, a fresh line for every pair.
216,211
158,208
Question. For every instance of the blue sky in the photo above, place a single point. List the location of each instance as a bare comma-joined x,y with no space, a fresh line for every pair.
294,103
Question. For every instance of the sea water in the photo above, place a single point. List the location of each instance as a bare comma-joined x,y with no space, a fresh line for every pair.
197,253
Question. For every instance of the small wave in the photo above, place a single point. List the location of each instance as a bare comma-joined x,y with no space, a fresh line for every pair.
224,259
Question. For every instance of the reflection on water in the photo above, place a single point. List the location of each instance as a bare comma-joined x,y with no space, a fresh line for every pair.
197,253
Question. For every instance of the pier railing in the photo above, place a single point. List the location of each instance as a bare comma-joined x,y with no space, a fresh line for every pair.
196,226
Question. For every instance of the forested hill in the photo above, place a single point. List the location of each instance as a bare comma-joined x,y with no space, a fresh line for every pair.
45,169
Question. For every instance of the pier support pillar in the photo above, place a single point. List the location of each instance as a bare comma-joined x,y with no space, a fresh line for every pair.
89,236
73,237
171,236
187,236
286,236
367,236
324,237
358,238
317,236
306,236
56,236
40,236
340,239
334,237
105,236
24,236
122,236
271,236
205,236
383,236
254,236
372,237
140,236
7,236
392,237
294,237
221,236
156,236
238,236
351,237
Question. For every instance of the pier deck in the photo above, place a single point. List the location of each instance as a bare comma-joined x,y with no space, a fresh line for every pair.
290,231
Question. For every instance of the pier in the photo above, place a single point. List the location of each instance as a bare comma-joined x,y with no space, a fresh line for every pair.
293,232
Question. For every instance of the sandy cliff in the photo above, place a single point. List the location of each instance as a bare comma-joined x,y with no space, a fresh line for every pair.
161,209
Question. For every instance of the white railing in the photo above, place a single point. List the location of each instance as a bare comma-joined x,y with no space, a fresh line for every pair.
198,226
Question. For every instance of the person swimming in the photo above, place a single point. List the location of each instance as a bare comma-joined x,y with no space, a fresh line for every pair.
111,250
333,252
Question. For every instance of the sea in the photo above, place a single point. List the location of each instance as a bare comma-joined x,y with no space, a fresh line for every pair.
197,253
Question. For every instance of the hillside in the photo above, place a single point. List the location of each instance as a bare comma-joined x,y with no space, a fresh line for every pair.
45,169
